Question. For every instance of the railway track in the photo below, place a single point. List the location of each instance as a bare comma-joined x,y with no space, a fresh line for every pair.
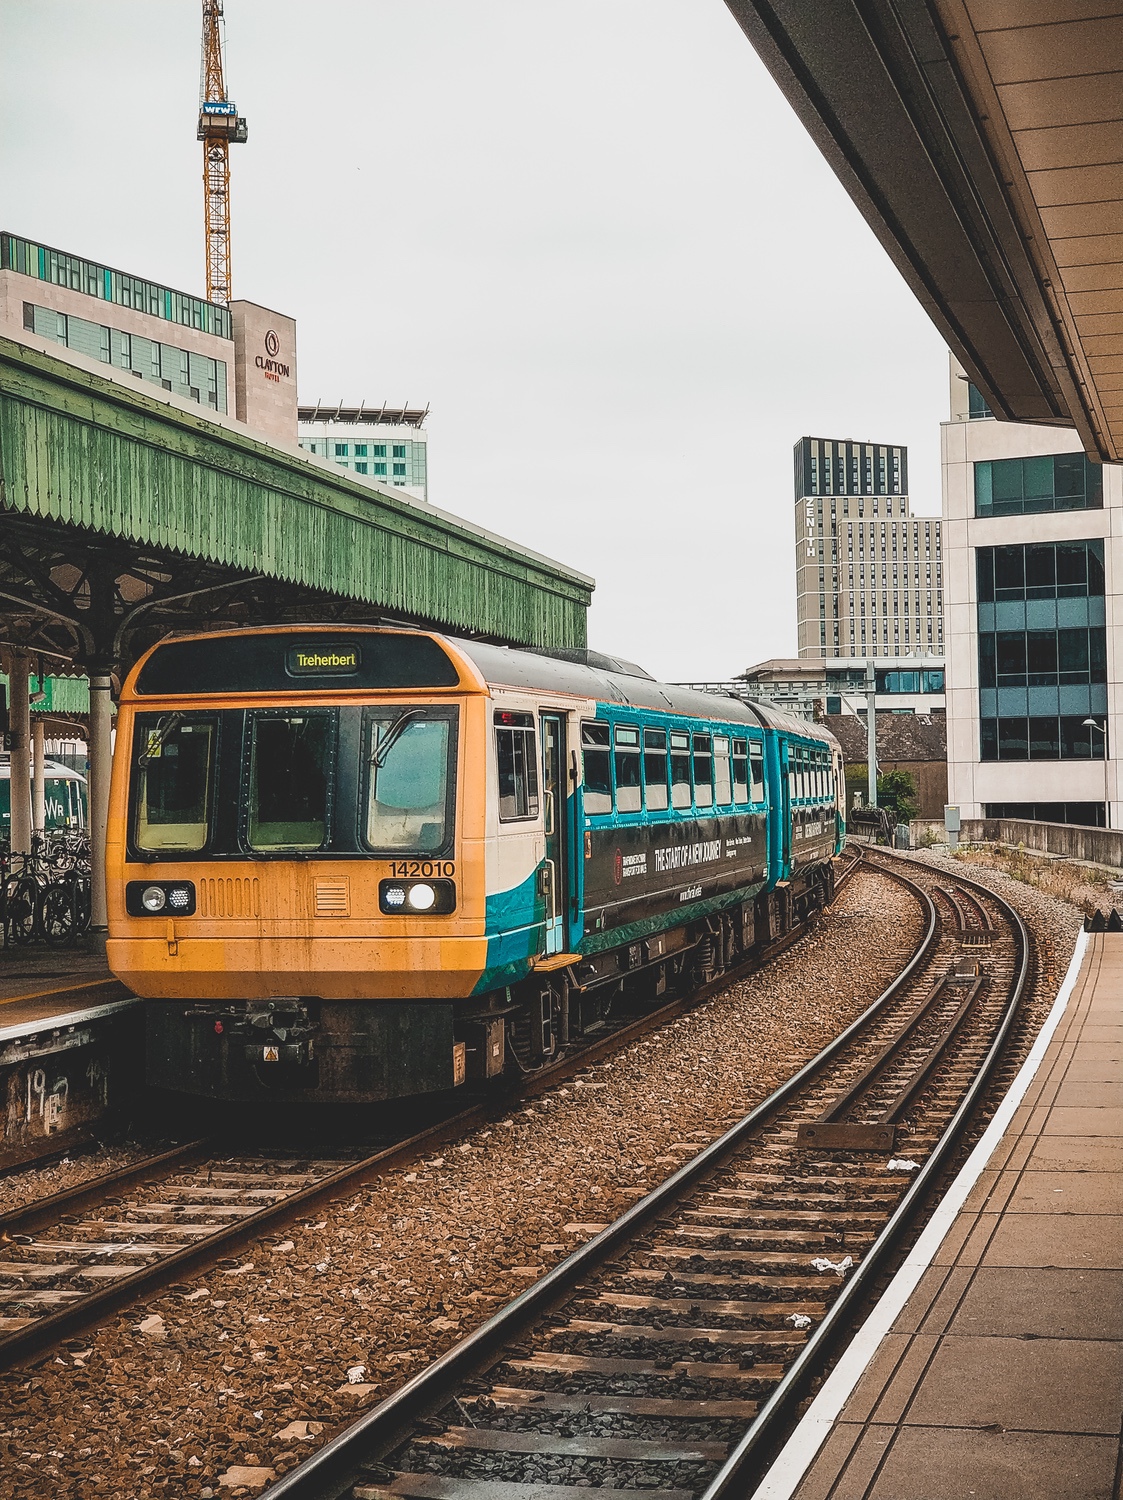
75,1257
668,1353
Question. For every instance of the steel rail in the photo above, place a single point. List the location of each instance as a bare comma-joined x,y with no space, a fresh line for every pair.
23,1342
733,1478
328,1474
82,1194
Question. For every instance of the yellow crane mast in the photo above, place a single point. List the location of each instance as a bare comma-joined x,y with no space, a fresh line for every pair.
219,125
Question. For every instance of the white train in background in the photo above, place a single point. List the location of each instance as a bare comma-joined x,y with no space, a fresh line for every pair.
65,793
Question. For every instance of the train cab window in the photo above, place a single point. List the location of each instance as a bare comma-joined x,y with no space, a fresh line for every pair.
290,762
680,769
629,798
703,771
409,756
723,781
597,767
655,769
175,756
518,766
741,772
756,765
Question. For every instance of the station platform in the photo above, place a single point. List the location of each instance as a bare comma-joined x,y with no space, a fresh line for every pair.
41,987
993,1365
71,1049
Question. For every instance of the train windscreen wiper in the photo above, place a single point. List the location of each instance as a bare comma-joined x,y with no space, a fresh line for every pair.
381,750
154,741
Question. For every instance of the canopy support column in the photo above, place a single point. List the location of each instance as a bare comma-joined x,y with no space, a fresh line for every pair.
19,785
101,709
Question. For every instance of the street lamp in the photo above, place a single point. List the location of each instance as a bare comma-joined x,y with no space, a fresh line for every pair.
1091,724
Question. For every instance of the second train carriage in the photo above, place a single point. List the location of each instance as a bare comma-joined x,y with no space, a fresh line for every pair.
360,864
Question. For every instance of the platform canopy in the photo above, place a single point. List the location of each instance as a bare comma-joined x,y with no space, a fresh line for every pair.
123,516
983,142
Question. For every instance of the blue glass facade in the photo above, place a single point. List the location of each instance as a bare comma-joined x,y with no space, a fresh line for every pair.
1042,651
1026,486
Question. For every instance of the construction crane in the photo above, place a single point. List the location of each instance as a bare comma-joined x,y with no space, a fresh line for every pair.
220,124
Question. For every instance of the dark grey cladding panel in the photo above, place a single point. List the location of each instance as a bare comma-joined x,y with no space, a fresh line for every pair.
502,667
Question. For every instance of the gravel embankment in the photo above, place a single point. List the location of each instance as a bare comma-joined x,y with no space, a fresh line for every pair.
243,1371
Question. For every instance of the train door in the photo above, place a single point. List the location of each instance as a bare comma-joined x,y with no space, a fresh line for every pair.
787,769
557,844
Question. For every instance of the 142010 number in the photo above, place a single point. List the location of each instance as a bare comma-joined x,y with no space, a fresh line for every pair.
422,869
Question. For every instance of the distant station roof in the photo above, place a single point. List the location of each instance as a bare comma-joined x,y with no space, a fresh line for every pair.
394,416
124,515
983,142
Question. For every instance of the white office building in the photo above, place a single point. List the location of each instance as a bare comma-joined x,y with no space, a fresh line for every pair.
387,444
1033,604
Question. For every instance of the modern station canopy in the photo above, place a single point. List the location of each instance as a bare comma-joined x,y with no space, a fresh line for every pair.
983,142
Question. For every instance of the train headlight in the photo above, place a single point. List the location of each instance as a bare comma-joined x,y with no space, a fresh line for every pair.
152,898
169,898
429,897
421,896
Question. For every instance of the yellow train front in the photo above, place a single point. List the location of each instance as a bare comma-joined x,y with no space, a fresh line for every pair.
352,864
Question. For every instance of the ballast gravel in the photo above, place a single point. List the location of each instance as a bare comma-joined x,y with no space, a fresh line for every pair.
215,1387
27,1183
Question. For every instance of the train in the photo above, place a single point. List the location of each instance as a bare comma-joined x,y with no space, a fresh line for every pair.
64,797
353,864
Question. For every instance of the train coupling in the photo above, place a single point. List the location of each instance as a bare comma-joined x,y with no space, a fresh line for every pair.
274,1031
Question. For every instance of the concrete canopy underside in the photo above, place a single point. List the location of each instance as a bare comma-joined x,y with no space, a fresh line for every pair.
122,517
983,142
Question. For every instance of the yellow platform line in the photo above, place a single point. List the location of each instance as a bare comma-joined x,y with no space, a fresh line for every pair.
62,989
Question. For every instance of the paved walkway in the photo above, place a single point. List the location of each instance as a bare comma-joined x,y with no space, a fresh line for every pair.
1001,1377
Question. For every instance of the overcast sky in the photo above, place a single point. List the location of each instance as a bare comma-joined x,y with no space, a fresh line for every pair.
592,236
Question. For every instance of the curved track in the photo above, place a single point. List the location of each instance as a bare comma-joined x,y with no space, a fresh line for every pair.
668,1353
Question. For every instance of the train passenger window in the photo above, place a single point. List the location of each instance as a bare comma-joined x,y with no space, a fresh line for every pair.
598,771
723,783
680,769
409,753
290,777
517,759
172,785
655,769
629,798
703,771
756,764
741,771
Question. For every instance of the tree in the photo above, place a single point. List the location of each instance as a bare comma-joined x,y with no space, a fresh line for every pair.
896,790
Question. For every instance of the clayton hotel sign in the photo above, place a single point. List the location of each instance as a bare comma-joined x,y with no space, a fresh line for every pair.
268,363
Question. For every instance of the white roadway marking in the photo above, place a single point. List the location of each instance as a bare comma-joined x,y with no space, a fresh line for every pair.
786,1474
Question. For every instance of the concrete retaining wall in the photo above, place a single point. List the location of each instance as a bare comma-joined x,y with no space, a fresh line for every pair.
1098,846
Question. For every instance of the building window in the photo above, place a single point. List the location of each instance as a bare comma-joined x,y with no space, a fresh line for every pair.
399,450
1025,486
380,468
976,406
360,450
378,450
1084,814
360,468
341,450
399,471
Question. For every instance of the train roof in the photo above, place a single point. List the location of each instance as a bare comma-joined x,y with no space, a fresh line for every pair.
53,769
590,674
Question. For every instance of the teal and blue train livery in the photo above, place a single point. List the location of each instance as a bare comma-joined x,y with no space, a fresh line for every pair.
360,863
